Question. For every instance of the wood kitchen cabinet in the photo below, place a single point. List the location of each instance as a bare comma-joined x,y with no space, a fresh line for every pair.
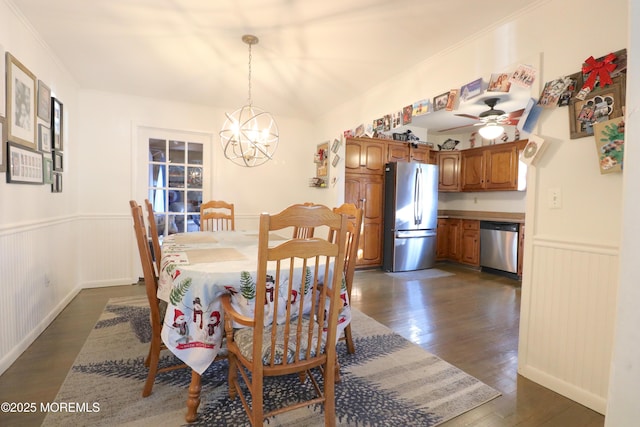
492,168
470,242
404,152
367,191
365,156
398,152
458,240
448,241
448,170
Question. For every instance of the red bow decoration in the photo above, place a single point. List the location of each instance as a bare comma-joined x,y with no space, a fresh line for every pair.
599,70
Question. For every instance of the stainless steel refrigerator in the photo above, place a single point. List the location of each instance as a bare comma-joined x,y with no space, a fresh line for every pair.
410,216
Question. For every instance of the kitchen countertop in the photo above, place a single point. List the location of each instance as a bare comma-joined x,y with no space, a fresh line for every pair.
516,217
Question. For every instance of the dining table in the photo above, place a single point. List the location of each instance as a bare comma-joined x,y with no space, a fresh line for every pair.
196,269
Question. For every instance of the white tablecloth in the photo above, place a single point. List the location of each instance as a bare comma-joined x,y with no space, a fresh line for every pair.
196,269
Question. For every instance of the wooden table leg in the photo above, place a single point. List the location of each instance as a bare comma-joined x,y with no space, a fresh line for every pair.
193,400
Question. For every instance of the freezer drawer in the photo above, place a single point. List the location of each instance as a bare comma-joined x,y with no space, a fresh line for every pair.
411,252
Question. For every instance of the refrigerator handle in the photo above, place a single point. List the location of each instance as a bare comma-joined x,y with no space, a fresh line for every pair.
417,197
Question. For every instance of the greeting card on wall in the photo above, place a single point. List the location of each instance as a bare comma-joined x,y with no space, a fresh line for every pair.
499,83
533,150
610,144
421,107
471,90
523,76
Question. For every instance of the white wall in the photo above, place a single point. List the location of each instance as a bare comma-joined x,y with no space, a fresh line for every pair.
107,125
623,408
38,244
585,232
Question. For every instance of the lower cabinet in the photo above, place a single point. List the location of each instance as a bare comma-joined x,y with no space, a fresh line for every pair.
470,242
458,240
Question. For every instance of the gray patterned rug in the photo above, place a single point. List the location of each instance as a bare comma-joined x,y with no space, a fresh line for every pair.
387,382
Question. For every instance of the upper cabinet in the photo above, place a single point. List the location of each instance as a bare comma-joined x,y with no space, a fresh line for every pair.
448,170
404,152
364,155
489,168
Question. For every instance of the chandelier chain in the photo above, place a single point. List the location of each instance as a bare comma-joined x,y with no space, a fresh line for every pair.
249,99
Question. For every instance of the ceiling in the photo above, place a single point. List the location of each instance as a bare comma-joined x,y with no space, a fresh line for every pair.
312,55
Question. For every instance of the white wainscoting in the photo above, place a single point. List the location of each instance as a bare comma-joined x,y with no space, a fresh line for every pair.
38,278
44,264
108,255
567,319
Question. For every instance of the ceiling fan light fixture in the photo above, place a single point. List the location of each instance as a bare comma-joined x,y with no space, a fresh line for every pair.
491,130
249,135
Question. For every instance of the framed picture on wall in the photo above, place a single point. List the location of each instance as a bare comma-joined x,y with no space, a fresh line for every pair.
24,165
602,104
44,102
21,103
44,138
57,125
47,170
57,161
3,145
56,185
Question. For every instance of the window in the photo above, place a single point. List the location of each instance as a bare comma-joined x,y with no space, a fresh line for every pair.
175,184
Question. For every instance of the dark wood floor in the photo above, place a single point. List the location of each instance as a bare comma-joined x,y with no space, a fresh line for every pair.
469,319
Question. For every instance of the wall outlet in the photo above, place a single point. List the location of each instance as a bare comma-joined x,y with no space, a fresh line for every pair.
555,198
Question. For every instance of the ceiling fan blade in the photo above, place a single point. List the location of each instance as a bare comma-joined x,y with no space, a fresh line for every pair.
517,113
458,127
469,116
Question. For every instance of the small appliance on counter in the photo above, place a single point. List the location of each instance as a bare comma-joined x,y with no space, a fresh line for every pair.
410,216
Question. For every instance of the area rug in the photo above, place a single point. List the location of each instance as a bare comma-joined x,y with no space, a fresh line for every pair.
430,273
388,382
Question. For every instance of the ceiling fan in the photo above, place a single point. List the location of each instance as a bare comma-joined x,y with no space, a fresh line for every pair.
491,117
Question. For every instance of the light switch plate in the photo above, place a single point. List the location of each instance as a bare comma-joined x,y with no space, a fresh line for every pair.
555,198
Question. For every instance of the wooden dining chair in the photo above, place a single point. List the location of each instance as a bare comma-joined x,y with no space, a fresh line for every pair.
153,232
303,232
294,343
354,215
157,309
217,215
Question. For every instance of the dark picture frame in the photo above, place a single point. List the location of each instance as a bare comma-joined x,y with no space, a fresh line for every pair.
21,103
57,124
44,138
581,123
25,166
58,161
56,185
44,102
440,101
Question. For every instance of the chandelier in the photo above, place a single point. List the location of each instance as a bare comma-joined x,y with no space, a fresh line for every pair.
249,135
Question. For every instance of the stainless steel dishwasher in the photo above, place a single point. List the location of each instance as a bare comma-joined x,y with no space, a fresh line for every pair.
499,246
